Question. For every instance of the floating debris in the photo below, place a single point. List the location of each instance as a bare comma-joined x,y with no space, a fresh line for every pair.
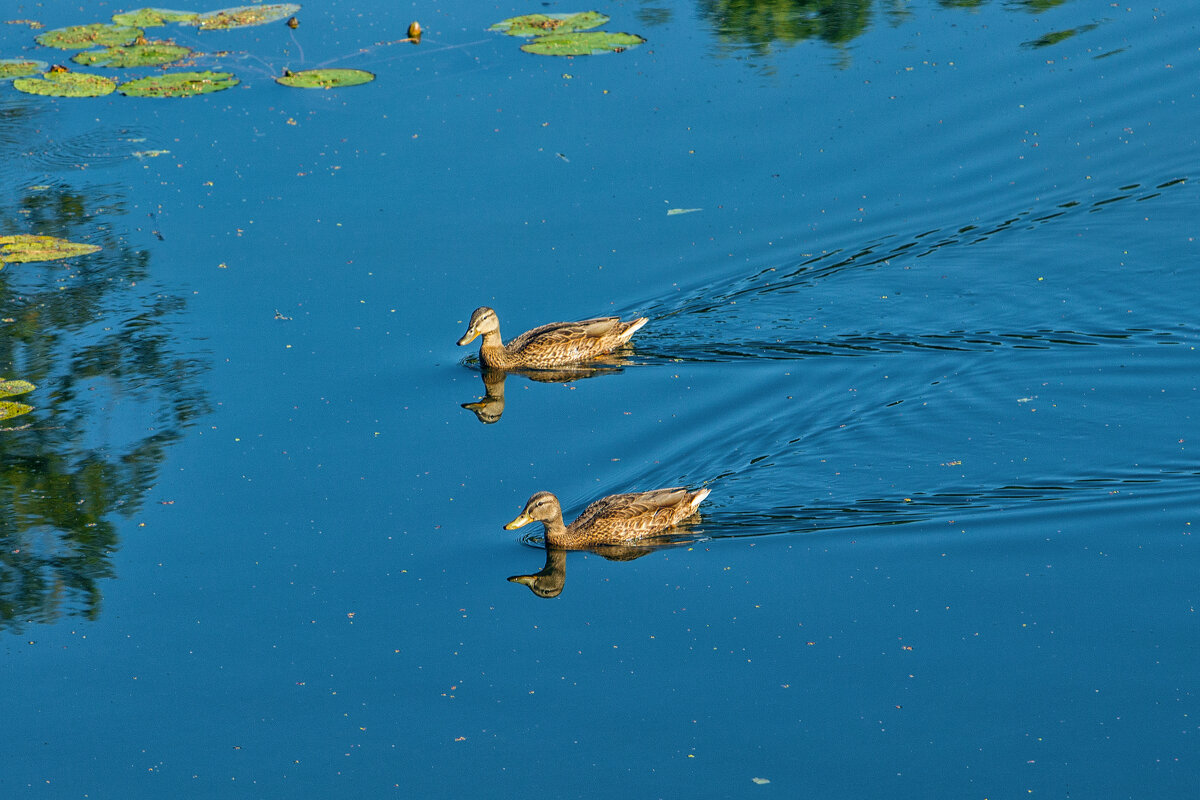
81,37
673,211
20,67
155,17
582,44
325,78
245,16
151,54
179,84
24,247
62,83
542,24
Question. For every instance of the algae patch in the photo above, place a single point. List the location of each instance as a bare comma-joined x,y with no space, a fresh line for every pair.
25,247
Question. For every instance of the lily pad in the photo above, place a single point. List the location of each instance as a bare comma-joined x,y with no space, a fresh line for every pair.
151,54
179,84
25,247
20,67
325,78
542,24
9,409
582,44
81,37
244,16
65,84
11,388
154,17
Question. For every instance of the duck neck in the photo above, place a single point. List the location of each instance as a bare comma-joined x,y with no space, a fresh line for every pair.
556,531
491,350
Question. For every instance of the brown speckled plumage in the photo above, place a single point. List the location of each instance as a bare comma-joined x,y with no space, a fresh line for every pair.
549,345
611,520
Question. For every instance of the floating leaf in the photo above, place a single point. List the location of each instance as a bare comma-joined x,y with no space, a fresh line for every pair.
66,84
151,54
25,247
243,16
11,388
20,67
179,84
154,17
541,24
325,78
9,409
582,44
673,211
81,37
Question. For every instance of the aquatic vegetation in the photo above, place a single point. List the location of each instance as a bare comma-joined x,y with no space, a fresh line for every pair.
26,247
325,78
151,54
9,408
582,44
20,67
81,37
245,16
179,84
155,17
66,84
543,24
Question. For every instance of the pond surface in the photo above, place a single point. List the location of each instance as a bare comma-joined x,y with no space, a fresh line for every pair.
927,331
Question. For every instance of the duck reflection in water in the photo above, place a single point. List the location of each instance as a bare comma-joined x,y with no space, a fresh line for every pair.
549,581
549,354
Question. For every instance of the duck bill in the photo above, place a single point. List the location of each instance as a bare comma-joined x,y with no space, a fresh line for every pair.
468,337
519,522
527,580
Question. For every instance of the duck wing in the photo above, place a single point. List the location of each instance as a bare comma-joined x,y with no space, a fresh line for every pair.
635,512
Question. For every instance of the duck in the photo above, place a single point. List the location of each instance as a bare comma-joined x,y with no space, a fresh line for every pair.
616,519
548,345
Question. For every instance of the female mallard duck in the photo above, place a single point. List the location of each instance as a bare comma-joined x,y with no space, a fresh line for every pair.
549,345
610,520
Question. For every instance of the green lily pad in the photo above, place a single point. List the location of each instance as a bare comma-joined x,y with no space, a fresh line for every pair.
81,37
9,409
25,247
244,16
582,44
11,388
325,78
20,67
542,24
151,54
154,17
179,84
66,84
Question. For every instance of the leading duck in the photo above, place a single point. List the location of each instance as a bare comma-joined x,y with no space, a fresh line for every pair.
549,345
616,519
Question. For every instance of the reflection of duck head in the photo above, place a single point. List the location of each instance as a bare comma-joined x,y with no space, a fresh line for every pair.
616,519
550,580
490,407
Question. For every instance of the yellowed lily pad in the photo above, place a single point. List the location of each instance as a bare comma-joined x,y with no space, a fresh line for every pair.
582,44
9,409
542,24
81,37
325,78
244,16
11,388
151,54
24,247
179,84
154,17
20,67
66,84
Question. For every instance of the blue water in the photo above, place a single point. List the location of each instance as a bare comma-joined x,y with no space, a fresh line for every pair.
930,340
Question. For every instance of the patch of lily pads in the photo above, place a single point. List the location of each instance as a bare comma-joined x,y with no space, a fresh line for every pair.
155,17
543,24
567,34
244,16
20,67
25,247
66,84
325,78
151,54
81,37
179,84
9,408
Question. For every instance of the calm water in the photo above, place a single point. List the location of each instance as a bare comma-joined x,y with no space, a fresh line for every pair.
930,340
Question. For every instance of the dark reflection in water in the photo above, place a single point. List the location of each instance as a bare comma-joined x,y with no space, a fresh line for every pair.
113,393
489,408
